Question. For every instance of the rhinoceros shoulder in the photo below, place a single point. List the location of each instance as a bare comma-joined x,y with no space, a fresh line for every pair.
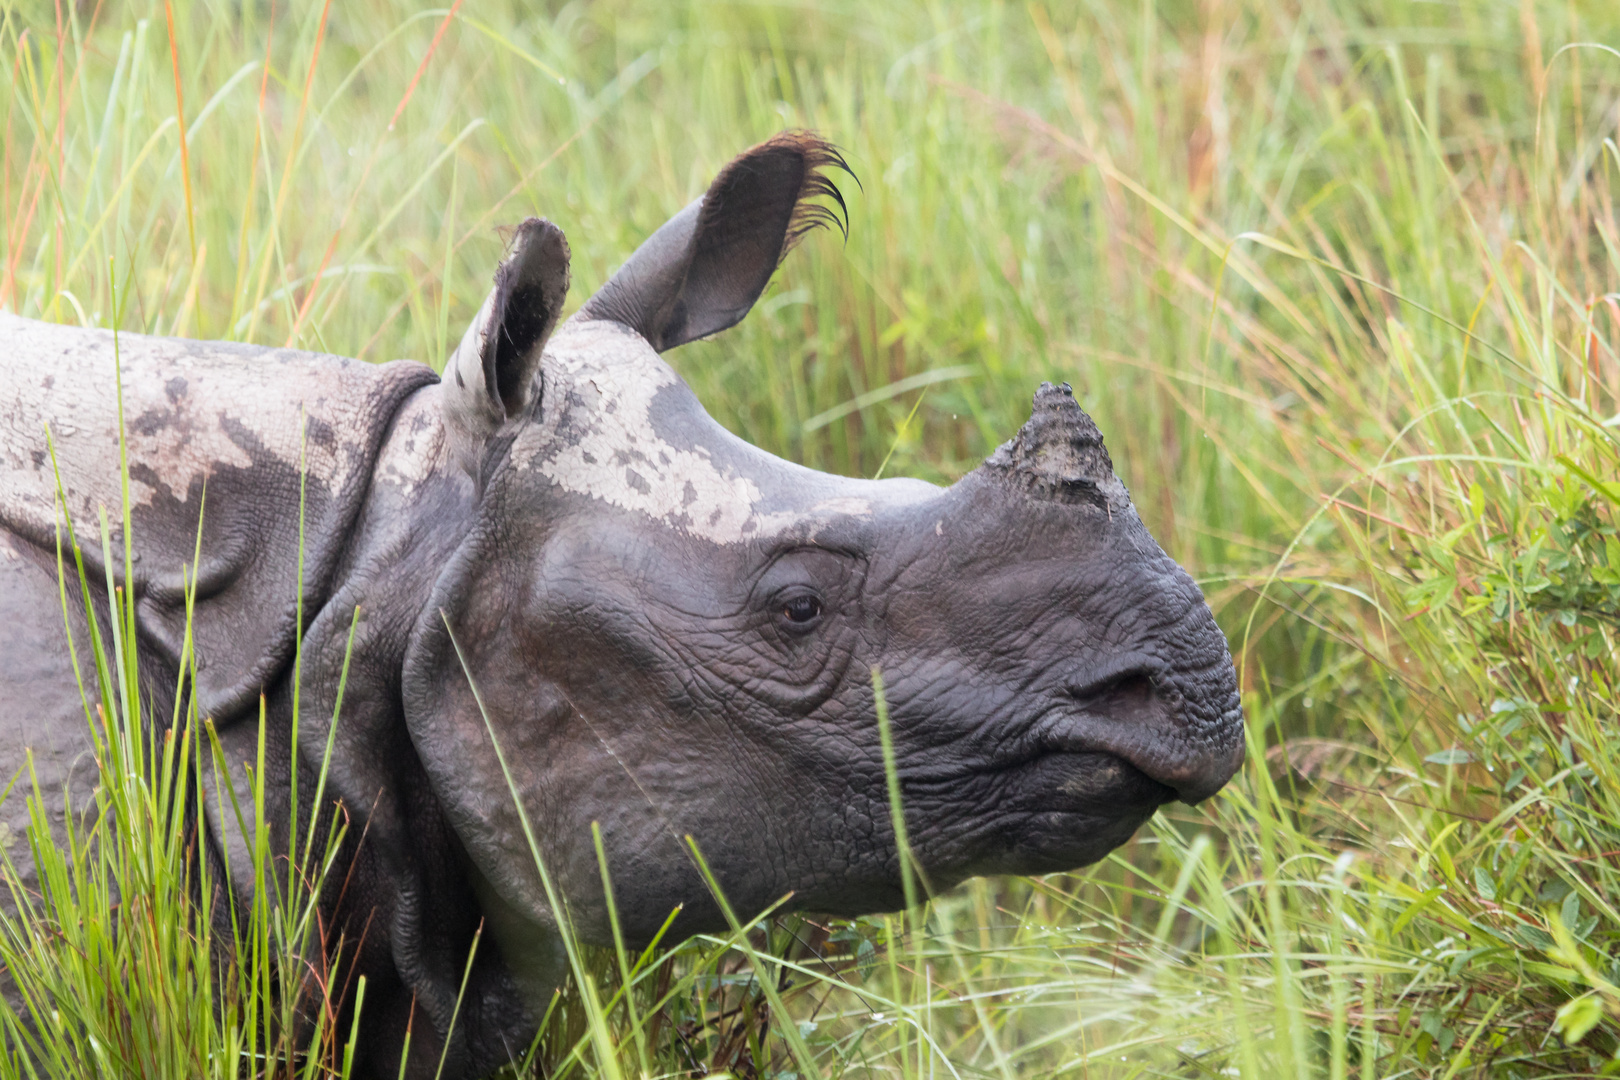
248,453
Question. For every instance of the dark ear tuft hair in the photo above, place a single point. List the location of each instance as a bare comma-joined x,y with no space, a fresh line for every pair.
775,184
703,270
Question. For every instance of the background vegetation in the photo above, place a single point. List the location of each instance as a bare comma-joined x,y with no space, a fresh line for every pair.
1339,280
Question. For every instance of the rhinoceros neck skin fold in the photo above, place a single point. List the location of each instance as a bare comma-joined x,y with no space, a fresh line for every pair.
410,878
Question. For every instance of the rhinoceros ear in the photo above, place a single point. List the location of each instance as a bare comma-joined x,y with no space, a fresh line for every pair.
489,379
704,268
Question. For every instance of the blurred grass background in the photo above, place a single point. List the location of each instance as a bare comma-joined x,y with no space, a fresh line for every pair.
1338,280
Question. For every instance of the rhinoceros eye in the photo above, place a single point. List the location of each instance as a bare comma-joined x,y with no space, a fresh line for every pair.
802,609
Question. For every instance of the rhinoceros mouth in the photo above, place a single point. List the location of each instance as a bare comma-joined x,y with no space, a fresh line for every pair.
1141,712
1056,811
1090,783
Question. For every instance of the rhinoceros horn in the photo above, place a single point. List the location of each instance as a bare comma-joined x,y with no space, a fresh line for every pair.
1058,454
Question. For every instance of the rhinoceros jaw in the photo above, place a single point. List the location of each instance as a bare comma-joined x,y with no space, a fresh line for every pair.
597,437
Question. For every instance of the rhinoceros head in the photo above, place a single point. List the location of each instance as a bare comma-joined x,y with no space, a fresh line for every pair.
673,633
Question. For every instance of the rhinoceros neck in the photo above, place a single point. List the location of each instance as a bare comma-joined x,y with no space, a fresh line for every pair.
417,510
616,423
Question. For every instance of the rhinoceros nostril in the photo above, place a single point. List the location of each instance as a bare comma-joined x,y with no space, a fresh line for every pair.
1135,687
1120,683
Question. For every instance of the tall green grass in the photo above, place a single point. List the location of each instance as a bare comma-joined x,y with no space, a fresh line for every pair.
1337,278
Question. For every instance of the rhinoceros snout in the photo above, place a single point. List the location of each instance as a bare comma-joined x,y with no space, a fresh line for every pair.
1181,728
1197,759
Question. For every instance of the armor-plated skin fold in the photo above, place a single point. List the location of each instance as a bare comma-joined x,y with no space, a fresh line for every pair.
668,632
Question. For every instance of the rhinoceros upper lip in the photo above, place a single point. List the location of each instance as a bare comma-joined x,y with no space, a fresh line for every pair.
1091,735
1121,709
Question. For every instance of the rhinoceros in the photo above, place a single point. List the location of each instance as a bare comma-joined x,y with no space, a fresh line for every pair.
671,632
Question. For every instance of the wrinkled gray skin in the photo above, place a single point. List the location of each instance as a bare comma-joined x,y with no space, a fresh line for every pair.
672,631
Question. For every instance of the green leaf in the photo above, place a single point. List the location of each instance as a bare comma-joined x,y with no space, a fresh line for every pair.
1570,910
1608,490
1553,891
1433,592
1483,882
1535,938
1577,1017
865,959
1414,909
1463,959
